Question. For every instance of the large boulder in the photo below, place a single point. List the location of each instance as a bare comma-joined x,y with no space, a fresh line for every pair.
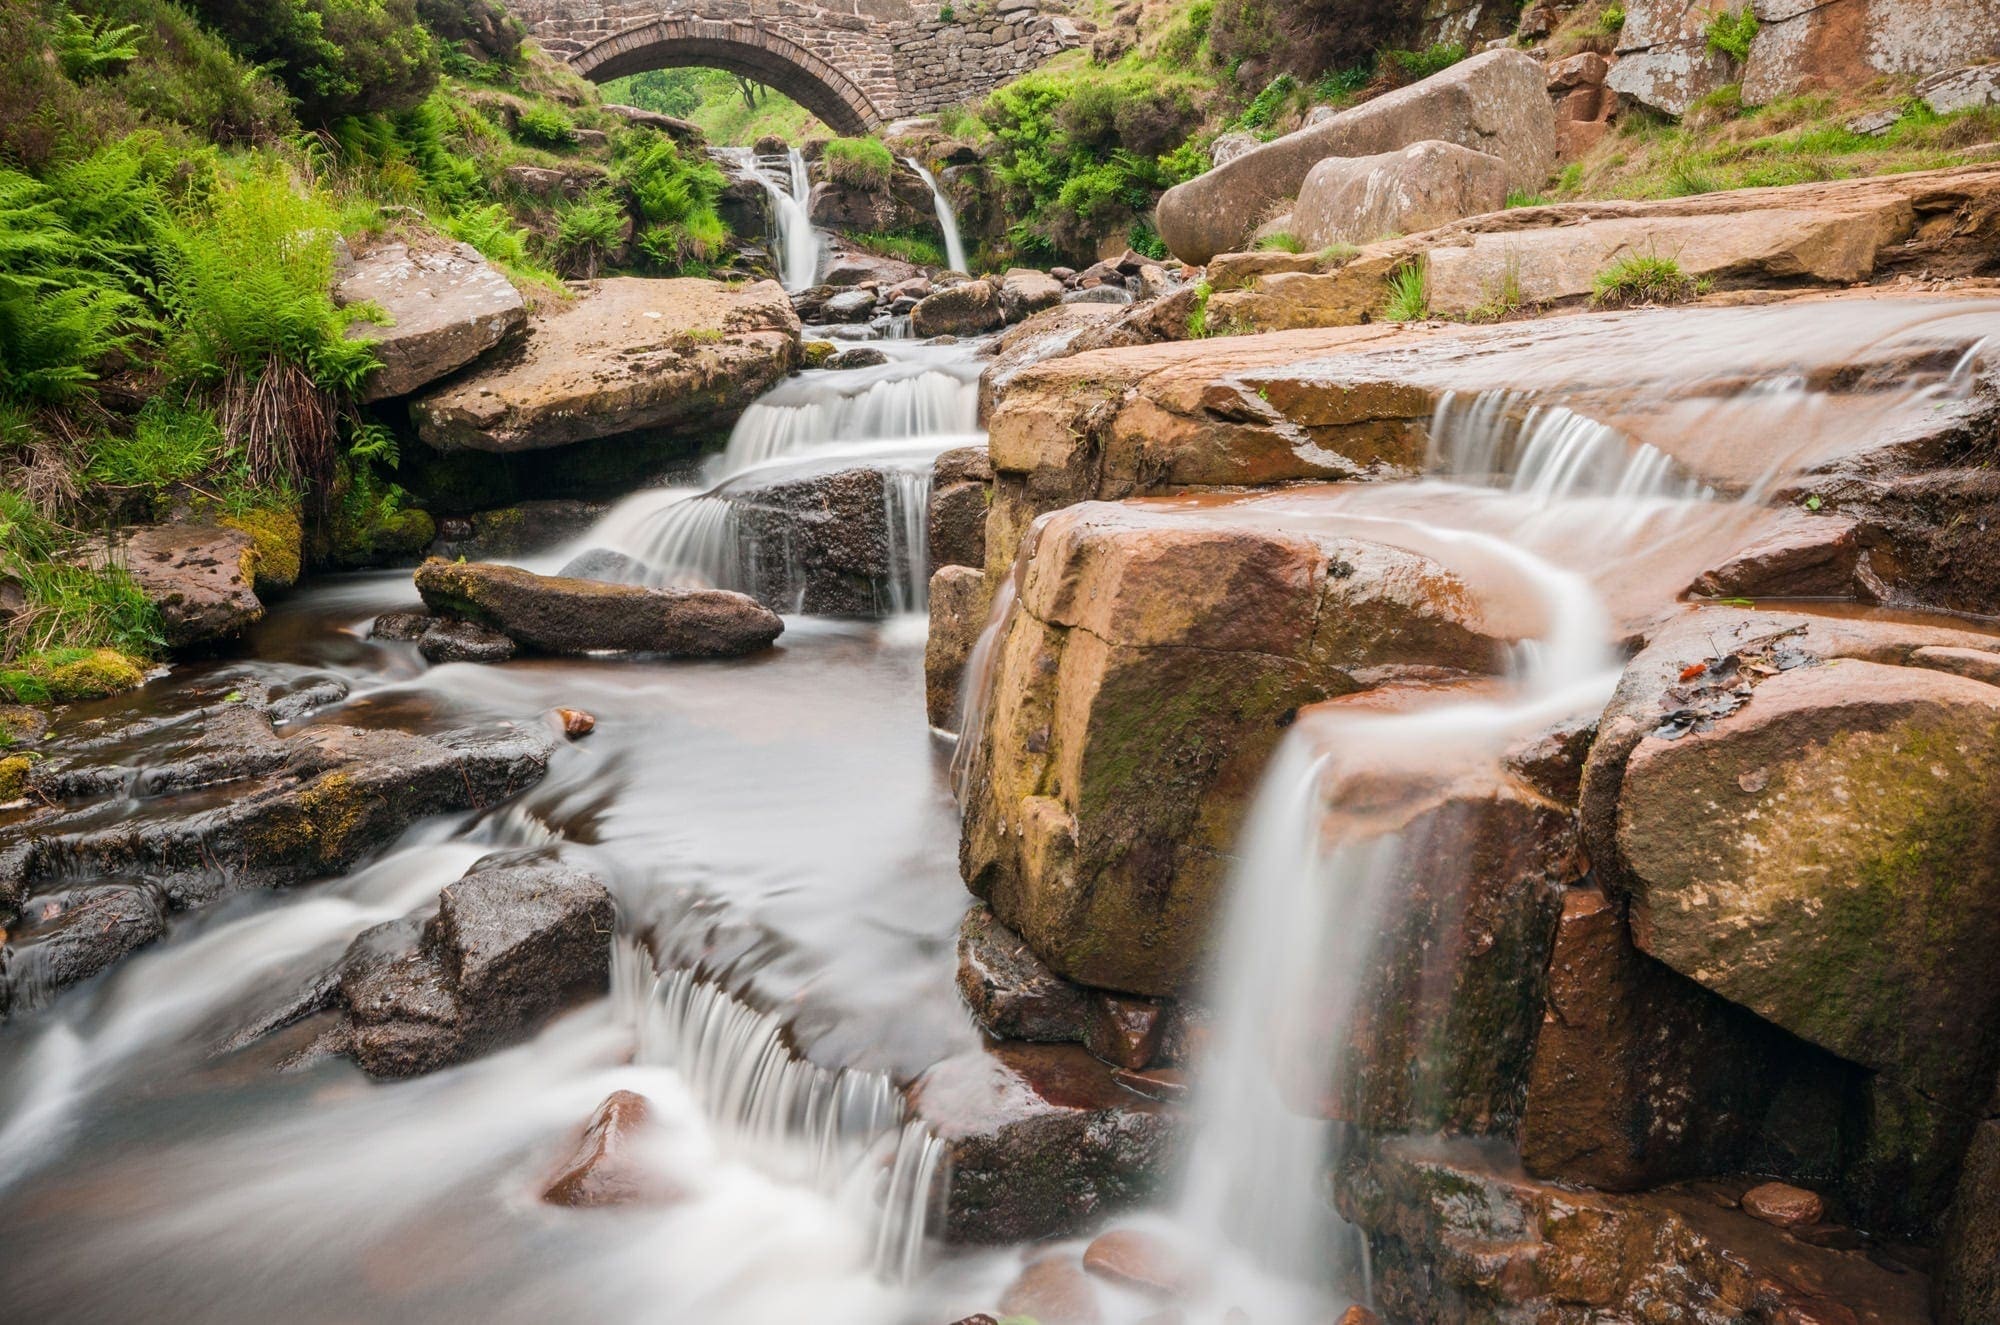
507,946
1495,103
445,306
625,355
556,615
201,578
1145,673
1750,871
970,308
961,599
1356,200
961,490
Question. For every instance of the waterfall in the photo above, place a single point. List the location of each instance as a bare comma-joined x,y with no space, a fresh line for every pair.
832,411
954,247
798,245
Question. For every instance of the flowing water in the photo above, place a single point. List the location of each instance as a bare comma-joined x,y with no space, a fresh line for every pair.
780,837
798,245
954,247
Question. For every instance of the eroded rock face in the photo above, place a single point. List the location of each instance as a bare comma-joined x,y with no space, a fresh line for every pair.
961,490
552,614
200,577
1144,676
445,305
508,946
1042,1141
628,354
1357,200
961,599
1493,103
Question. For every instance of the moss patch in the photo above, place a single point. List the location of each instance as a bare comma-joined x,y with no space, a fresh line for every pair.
62,676
14,777
279,537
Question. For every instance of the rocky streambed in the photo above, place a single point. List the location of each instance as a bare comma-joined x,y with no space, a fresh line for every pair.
1461,824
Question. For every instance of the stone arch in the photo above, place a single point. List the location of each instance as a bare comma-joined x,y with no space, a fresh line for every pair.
739,48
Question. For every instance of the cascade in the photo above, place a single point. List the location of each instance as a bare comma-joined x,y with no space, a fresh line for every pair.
799,244
954,247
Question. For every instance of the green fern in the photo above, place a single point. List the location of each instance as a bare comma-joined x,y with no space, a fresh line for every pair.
91,48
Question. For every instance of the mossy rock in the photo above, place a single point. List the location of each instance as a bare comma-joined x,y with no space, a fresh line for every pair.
819,351
63,676
280,538
14,777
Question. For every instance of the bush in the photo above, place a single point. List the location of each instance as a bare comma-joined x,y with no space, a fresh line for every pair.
91,48
336,57
859,163
588,232
1083,153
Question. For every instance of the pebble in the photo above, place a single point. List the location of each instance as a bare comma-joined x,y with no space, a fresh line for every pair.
1782,1204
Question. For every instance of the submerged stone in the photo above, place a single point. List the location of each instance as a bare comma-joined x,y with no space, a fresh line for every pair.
557,615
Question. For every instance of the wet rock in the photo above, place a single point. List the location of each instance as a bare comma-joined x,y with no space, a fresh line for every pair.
1453,1221
1641,1077
576,723
1041,1141
1356,200
1145,1262
444,639
1806,556
600,563
629,354
1052,1291
1116,295
1124,1032
1968,1273
1782,1204
603,1170
1009,990
522,529
199,577
445,306
861,356
1750,873
821,542
1359,1315
847,269
67,935
552,614
508,946
1025,292
1975,664
960,599
849,306
223,802
1108,871
1050,334
961,490
1493,103
969,309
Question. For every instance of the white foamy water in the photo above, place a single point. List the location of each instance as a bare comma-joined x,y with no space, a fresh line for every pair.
954,247
798,246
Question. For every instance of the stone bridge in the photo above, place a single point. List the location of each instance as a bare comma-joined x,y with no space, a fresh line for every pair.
856,64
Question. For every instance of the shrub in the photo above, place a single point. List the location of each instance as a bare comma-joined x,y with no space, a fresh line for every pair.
543,125
1264,107
1409,293
1643,279
337,57
1142,238
859,163
1732,33
493,232
1307,37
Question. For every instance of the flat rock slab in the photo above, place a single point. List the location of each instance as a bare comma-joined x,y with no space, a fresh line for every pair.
624,355
554,614
446,305
200,577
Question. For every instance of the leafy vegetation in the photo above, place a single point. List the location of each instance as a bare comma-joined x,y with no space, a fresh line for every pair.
545,126
1732,33
730,109
907,246
1284,241
1409,293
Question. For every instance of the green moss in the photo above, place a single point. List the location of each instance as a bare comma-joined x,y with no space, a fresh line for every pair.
818,352
14,777
63,676
371,526
279,537
859,163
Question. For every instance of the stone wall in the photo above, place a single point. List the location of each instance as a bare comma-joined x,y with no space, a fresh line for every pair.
857,64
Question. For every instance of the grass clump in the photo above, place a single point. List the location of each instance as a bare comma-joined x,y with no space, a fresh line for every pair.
1643,278
860,163
905,246
1282,241
1415,66
169,443
67,601
544,125
1409,293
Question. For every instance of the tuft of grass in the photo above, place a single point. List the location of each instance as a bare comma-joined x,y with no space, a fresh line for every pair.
1197,323
1502,300
67,602
1644,278
1415,66
1612,21
169,443
1409,293
1282,241
905,246
1522,198
859,163
1336,255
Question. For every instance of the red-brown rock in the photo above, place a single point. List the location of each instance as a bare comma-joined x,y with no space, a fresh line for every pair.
1053,1291
576,722
603,1170
1143,1261
1124,1032
1782,1204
